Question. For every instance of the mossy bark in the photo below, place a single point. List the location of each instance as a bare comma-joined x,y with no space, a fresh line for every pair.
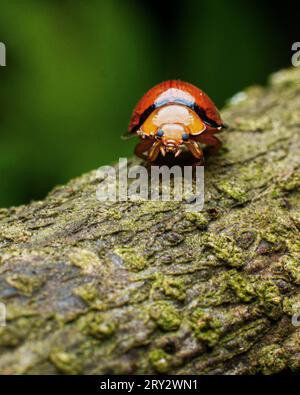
146,287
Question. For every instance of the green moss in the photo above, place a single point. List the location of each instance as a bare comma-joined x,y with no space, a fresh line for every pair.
271,359
270,300
16,232
114,214
206,327
275,193
241,286
233,191
159,360
133,260
228,287
86,260
15,331
294,245
269,236
244,288
172,287
253,124
291,305
166,316
86,292
292,266
96,326
15,312
199,219
291,183
66,363
226,250
24,283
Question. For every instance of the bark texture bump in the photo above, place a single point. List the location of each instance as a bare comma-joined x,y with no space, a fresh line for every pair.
146,287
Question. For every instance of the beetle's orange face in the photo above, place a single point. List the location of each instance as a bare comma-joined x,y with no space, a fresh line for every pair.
172,125
172,136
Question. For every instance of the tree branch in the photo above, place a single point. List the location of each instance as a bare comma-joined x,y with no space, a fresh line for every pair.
145,287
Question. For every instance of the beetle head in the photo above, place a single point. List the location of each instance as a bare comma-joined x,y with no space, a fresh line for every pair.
172,136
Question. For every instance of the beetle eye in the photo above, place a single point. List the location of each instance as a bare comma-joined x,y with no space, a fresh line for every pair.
185,136
160,133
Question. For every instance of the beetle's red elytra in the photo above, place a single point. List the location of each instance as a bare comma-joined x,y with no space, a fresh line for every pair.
172,116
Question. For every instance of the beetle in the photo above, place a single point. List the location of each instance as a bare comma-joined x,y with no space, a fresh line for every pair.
173,115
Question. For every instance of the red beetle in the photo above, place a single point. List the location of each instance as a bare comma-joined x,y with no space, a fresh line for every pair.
174,114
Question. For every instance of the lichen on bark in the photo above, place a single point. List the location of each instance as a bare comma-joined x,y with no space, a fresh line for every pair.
146,287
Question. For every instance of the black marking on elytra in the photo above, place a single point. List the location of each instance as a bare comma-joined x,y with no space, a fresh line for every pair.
202,114
143,117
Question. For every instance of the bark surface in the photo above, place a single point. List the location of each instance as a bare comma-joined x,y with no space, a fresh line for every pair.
148,287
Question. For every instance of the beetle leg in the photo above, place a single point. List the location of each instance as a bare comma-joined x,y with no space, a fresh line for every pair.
162,150
195,149
154,151
143,146
210,130
178,152
212,141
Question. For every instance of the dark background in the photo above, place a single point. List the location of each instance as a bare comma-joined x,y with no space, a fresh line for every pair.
75,70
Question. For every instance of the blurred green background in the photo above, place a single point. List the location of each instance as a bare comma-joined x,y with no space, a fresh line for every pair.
75,70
